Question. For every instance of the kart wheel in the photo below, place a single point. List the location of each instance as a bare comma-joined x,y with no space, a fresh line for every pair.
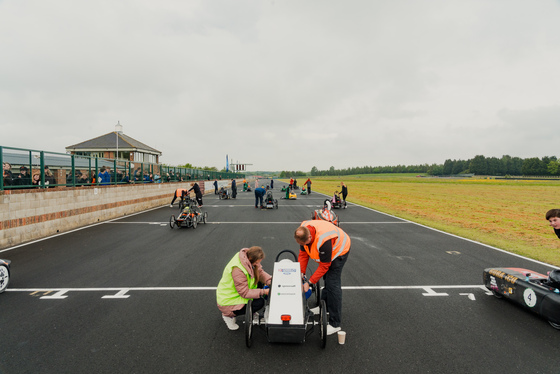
4,278
317,293
194,222
249,324
220,196
172,221
555,325
205,217
188,221
323,323
276,204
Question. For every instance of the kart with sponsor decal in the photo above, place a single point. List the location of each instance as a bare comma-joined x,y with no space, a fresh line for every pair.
4,274
536,292
286,317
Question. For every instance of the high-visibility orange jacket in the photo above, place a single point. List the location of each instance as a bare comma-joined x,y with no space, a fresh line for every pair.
327,237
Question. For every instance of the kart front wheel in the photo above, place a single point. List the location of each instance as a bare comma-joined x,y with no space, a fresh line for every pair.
4,278
188,221
249,324
205,217
172,221
194,222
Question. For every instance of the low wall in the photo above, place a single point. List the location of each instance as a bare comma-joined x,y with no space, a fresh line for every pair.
27,215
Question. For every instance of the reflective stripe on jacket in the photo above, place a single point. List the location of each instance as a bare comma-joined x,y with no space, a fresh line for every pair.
226,294
326,231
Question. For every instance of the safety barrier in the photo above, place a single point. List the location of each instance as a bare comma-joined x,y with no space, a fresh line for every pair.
26,168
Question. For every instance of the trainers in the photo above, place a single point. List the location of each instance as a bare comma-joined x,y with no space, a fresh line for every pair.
315,310
171,205
331,330
230,322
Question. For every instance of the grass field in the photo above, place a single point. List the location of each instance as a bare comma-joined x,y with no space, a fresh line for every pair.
507,214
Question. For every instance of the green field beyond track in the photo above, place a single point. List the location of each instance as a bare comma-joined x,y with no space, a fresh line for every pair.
508,214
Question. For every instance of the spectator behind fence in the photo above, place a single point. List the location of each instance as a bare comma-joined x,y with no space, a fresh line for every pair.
49,177
7,174
36,180
84,179
103,178
23,179
125,178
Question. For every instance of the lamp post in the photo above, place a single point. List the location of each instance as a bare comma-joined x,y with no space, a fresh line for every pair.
118,130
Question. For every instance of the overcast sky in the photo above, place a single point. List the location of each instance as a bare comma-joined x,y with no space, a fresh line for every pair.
285,84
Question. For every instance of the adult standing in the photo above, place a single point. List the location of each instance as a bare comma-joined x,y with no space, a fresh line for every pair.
216,187
271,183
308,183
233,188
328,245
197,193
344,192
240,281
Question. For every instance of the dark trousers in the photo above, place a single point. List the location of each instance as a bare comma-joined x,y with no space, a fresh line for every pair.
257,305
332,294
257,199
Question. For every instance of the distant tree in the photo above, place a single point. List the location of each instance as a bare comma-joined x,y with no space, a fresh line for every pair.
479,165
553,167
533,166
448,167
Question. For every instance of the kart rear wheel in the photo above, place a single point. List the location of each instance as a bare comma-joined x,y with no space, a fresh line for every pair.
205,217
555,325
4,278
276,203
323,323
249,324
172,221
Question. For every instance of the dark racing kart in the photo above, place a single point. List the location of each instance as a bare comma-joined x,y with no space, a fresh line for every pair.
533,291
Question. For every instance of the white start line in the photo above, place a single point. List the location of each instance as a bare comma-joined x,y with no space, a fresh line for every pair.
123,293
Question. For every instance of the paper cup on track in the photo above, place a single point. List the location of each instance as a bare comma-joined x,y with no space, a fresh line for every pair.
341,337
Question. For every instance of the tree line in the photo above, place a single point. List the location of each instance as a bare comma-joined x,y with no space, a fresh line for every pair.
479,165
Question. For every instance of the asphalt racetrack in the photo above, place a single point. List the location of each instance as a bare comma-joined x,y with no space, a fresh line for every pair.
134,296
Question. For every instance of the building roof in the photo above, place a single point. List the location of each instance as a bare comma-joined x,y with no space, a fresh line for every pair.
109,142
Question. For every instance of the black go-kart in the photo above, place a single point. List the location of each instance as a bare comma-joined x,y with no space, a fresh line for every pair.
224,193
4,274
533,291
270,202
190,216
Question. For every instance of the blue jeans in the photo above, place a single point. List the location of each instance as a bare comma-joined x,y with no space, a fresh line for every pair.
257,199
332,294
